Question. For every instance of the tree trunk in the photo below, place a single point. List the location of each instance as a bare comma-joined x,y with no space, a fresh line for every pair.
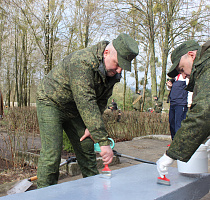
16,65
29,90
136,74
167,21
145,80
25,70
124,91
8,86
51,48
152,49
87,24
47,34
1,38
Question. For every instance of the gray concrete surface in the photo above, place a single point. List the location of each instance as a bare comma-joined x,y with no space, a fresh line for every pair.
147,148
134,182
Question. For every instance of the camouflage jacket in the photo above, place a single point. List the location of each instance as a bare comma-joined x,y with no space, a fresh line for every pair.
158,106
137,102
196,127
79,86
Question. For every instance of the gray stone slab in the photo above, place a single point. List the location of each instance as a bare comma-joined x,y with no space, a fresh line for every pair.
137,182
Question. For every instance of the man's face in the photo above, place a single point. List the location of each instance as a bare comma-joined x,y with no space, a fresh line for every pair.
111,63
185,66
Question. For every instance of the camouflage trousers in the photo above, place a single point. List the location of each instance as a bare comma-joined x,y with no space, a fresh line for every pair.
52,122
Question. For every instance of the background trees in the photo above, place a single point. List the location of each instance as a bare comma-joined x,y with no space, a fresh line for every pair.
35,35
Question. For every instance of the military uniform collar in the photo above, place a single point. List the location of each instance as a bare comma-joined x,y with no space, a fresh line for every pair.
98,50
101,69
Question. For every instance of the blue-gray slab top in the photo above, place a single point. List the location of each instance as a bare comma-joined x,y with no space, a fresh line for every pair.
138,182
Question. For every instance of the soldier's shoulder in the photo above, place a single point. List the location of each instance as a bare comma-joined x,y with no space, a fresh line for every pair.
83,57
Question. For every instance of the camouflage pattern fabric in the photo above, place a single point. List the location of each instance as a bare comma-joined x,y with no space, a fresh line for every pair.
79,86
52,122
137,102
196,127
158,106
73,97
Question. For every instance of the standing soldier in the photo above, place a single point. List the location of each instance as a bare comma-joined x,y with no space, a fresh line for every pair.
137,101
114,105
158,105
73,97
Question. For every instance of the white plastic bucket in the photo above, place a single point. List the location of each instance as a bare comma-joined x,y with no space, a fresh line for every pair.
197,164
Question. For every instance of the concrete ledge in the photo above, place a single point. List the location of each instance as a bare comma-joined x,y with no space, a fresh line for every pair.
158,137
135,182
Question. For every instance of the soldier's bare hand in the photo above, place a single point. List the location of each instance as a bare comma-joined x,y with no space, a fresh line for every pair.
86,134
169,84
106,154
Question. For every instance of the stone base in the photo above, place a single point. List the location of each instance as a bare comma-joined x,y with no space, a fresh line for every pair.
135,182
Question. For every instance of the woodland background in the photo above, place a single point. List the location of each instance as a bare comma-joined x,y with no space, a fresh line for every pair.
36,34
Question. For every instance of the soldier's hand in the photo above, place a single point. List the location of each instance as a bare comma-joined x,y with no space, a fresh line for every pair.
86,134
163,163
169,84
106,154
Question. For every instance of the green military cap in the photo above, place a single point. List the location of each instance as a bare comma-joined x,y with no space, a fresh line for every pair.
181,50
127,50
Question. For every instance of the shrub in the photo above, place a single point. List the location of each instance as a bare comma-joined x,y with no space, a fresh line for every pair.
21,125
134,124
67,146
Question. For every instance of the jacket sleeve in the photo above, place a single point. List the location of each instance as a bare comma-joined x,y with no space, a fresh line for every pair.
196,127
82,86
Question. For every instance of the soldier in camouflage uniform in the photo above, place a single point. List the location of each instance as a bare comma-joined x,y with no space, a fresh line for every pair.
193,62
137,101
73,97
158,105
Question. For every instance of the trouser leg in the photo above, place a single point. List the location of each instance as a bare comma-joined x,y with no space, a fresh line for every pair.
172,121
84,150
51,133
180,114
184,114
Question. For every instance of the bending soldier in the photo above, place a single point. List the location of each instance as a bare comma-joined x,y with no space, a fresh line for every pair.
73,97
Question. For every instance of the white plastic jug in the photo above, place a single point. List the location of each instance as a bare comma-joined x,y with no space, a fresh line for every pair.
198,163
